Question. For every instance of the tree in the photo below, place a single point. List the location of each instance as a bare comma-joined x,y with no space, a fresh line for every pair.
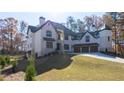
2,33
11,29
113,24
23,26
70,21
119,33
80,25
115,20
71,24
88,22
95,21
23,33
17,41
12,38
108,20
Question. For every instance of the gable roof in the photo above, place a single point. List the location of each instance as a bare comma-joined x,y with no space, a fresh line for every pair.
36,28
62,27
81,35
56,26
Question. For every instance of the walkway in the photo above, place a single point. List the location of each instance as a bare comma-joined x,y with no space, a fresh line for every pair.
102,56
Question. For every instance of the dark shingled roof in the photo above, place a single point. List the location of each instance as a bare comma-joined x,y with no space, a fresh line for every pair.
76,36
62,27
80,35
35,28
32,28
107,27
55,25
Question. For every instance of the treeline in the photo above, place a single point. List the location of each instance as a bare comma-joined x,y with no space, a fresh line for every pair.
12,34
87,23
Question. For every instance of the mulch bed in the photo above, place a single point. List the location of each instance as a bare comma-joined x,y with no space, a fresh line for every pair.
19,76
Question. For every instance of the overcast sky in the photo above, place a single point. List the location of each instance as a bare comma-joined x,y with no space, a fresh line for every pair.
32,18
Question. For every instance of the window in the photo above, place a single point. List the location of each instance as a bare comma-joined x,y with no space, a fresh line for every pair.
66,37
108,38
66,47
87,39
48,33
49,44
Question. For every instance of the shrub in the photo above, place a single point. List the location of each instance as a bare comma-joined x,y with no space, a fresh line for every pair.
2,61
7,58
30,71
31,60
14,64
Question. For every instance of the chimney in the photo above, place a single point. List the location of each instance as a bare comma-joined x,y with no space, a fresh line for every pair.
41,20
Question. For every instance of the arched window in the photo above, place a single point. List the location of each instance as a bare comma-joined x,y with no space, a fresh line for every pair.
87,39
48,33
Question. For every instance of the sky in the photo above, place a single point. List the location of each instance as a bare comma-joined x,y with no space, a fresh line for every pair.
32,18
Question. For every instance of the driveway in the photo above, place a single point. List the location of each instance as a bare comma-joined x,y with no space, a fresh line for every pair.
102,56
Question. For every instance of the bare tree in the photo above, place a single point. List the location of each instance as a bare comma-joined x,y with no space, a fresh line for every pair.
11,28
94,20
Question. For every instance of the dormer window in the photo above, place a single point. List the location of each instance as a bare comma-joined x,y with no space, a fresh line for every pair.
87,39
48,33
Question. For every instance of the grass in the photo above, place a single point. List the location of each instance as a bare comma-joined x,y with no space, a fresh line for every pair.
83,68
16,57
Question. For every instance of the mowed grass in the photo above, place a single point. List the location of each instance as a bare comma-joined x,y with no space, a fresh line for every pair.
84,68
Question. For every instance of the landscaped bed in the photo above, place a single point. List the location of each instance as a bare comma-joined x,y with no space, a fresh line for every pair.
83,68
69,67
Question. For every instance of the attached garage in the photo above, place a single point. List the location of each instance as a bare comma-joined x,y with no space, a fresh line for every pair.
93,48
77,49
85,49
80,48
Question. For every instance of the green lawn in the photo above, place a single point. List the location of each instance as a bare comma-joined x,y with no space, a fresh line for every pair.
82,68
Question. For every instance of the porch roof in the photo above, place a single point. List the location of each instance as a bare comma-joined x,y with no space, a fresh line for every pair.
86,44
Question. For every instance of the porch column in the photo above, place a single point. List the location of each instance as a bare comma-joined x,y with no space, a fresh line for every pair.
80,49
89,48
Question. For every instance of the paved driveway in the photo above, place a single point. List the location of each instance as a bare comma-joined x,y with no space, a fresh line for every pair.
102,56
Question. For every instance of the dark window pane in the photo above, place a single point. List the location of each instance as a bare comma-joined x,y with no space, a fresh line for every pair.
49,44
48,33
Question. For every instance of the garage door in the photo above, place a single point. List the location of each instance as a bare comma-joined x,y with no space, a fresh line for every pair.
93,48
77,49
85,49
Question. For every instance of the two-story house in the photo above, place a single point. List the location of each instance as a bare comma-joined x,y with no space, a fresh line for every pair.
50,36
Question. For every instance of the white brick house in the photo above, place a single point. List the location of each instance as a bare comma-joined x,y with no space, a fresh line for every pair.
50,36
